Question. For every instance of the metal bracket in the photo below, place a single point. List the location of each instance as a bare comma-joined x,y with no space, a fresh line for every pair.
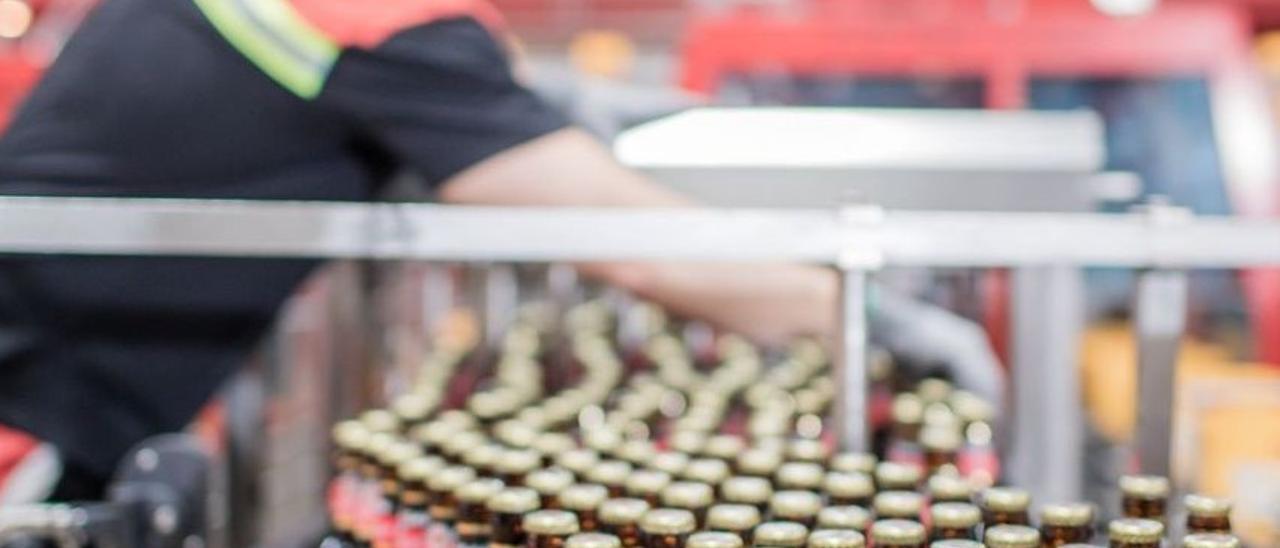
858,257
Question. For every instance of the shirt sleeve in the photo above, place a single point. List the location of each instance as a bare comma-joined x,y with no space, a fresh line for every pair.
440,97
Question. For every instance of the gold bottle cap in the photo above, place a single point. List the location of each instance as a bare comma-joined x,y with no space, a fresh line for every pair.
378,443
971,407
578,461
463,442
854,462
1135,530
759,462
955,515
795,505
836,538
966,543
593,540
849,485
380,420
483,456
624,511
1145,487
417,470
897,476
549,481
1067,515
908,409
478,491
668,521
609,472
934,390
583,496
1006,499
1198,505
1011,536
733,517
603,440
898,504
450,478
535,417
688,442
413,407
807,450
800,475
713,539
854,518
647,482
515,500
780,533
399,453
896,532
459,418
746,490
637,452
670,462
1210,540
350,435
940,415
552,444
688,495
708,471
940,439
551,522
518,461
515,433
434,433
724,447
949,487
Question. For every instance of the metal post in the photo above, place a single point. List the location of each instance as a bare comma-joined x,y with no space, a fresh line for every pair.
501,299
1160,320
851,372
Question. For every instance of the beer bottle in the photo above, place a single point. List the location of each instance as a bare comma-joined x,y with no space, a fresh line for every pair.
940,443
799,476
578,461
442,503
551,444
549,528
368,501
692,496
949,488
864,463
1065,524
584,499
750,490
507,510
612,474
483,458
799,506
738,519
779,534
647,485
593,540
904,437
854,518
724,447
386,508
473,511
412,519
456,448
955,520
549,483
714,539
1207,515
898,533
1144,497
1011,536
1135,533
1005,506
712,472
898,505
667,527
671,462
836,538
621,518
895,476
758,462
1210,540
849,488
514,464
349,439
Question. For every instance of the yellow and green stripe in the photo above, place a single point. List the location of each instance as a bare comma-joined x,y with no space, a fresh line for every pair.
276,39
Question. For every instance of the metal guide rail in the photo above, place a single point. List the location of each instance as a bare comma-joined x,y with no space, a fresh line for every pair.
856,240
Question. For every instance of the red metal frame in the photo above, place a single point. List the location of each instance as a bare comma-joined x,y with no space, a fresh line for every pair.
1004,42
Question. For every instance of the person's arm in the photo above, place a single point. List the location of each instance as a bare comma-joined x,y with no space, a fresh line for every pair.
770,303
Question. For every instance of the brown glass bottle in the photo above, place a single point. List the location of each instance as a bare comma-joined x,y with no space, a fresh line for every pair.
854,518
584,500
1207,515
738,519
667,527
1210,540
864,463
549,483
1005,506
473,511
621,518
802,476
779,534
647,485
898,533
949,488
513,465
507,510
955,520
710,471
908,415
836,538
593,540
349,439
1065,524
1011,536
412,518
798,506
442,501
549,528
692,496
1135,533
612,474
940,443
895,476
903,505
849,488
714,539
751,490
1144,497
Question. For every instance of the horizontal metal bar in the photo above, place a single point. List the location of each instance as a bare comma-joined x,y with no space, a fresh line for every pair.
454,233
